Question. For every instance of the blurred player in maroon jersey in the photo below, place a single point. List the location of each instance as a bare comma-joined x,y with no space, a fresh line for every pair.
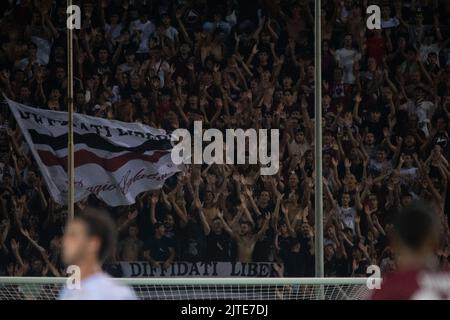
418,276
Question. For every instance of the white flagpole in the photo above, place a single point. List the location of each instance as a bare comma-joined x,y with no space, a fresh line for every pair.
318,200
70,170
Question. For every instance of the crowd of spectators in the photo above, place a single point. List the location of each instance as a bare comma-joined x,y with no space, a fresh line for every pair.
238,64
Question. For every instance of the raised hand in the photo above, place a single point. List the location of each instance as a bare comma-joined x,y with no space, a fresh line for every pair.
334,162
25,233
347,163
178,14
166,265
255,49
197,203
154,199
14,245
132,215
367,209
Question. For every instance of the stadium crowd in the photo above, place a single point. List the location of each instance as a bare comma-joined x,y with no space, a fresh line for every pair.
238,64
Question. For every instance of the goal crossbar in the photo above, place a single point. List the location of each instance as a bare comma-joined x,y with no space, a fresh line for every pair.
42,288
197,281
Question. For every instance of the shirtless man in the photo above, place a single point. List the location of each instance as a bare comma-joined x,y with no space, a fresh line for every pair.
246,237
210,207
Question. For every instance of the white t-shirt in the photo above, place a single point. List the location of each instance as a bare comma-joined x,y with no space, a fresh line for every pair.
424,111
147,28
376,167
99,286
42,55
160,68
298,149
408,106
114,30
425,50
348,217
408,175
171,33
346,58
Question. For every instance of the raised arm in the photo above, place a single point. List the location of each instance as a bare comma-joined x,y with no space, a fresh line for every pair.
180,210
226,227
184,33
43,253
16,253
264,227
4,230
130,218
153,202
205,225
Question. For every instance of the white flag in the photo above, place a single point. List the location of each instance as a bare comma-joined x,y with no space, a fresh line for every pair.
114,160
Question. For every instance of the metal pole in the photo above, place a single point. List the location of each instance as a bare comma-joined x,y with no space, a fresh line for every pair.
70,166
318,201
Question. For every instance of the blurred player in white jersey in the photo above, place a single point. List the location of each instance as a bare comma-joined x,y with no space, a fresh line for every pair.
88,240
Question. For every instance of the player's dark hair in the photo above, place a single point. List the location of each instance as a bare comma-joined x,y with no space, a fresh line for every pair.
99,224
416,224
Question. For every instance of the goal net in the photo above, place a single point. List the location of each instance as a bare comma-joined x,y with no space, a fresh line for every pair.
30,288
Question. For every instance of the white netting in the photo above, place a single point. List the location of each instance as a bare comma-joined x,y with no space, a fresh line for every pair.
203,289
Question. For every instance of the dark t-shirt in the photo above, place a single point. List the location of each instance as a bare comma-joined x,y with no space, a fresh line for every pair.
361,268
159,248
356,168
264,247
284,244
192,245
298,264
375,127
335,267
218,247
101,68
